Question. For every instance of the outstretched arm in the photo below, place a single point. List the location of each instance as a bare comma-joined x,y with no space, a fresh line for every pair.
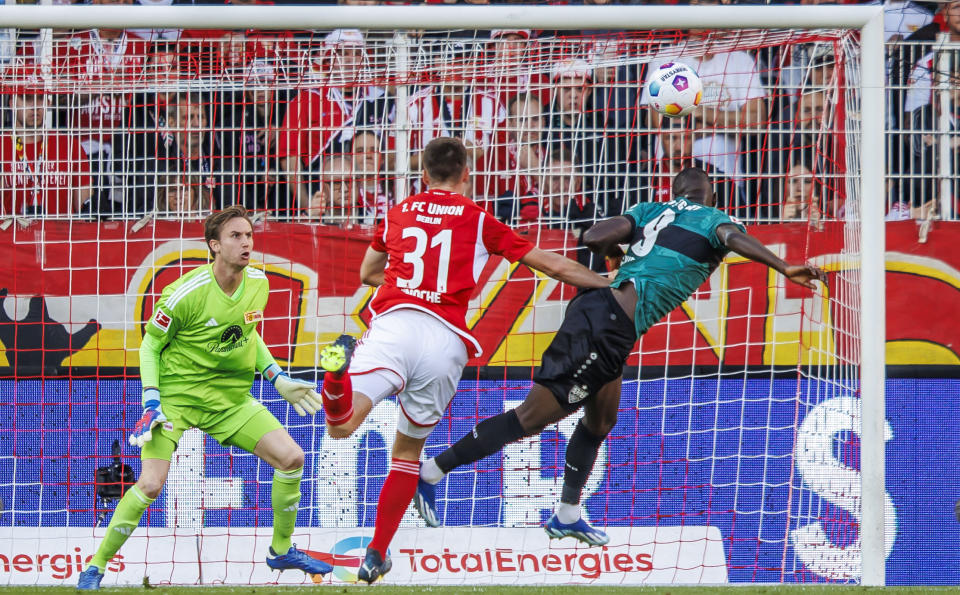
563,269
751,248
604,238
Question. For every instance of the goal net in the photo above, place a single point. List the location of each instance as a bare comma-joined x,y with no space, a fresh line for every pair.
736,456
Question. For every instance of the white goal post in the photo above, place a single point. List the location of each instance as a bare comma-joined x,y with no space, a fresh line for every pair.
867,19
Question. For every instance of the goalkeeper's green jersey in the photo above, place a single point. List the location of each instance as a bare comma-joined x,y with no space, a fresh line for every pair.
673,249
208,339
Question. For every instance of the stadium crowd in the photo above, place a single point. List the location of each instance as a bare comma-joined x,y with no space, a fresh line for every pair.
306,125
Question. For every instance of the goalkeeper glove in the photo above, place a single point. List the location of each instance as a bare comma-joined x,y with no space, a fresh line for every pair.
152,416
299,393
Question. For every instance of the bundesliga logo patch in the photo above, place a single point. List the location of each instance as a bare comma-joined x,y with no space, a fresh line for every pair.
253,316
161,321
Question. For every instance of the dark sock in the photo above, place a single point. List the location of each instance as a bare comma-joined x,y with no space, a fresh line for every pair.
488,437
581,455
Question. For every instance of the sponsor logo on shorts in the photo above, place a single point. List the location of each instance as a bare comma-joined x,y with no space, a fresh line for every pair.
577,393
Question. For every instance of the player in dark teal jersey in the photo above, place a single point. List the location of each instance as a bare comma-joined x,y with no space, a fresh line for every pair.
673,248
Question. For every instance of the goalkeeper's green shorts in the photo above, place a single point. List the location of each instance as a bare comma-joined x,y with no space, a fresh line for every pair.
242,426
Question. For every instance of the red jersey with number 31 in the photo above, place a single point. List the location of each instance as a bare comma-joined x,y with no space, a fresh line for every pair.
437,243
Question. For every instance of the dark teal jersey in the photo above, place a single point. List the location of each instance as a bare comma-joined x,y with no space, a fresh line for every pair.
673,250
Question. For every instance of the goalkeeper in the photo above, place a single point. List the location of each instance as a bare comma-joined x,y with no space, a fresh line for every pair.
674,247
197,363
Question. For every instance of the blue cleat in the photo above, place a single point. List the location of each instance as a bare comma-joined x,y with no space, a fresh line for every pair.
90,579
374,566
425,501
335,357
580,530
296,559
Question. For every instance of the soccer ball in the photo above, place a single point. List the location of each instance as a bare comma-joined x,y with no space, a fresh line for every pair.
675,90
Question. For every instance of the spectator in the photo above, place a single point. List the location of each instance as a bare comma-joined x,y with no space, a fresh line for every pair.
181,198
511,66
810,130
515,159
321,120
674,149
186,147
564,205
215,52
109,59
44,172
912,60
800,199
902,18
525,119
374,198
250,123
807,66
455,108
733,102
933,139
147,113
812,112
156,34
923,84
333,198
574,130
615,99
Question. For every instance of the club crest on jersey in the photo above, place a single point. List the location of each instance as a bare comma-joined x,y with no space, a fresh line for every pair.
161,320
252,316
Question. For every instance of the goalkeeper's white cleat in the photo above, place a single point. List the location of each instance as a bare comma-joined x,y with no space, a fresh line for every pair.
335,357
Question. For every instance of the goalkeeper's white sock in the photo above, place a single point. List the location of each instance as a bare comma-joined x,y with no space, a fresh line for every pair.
430,472
568,513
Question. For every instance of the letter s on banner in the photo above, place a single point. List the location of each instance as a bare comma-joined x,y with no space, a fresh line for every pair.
836,483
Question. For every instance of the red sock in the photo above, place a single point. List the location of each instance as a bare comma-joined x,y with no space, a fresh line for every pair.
395,497
337,395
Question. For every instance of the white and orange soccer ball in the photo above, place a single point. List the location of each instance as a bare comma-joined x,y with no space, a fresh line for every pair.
675,89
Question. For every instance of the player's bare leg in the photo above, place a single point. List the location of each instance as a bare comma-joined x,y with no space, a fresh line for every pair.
398,490
345,408
600,416
125,519
279,450
538,410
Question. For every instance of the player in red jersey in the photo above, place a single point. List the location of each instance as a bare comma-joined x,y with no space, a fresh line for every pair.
425,260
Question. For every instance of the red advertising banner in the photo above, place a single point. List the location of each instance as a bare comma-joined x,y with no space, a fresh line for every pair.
77,294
